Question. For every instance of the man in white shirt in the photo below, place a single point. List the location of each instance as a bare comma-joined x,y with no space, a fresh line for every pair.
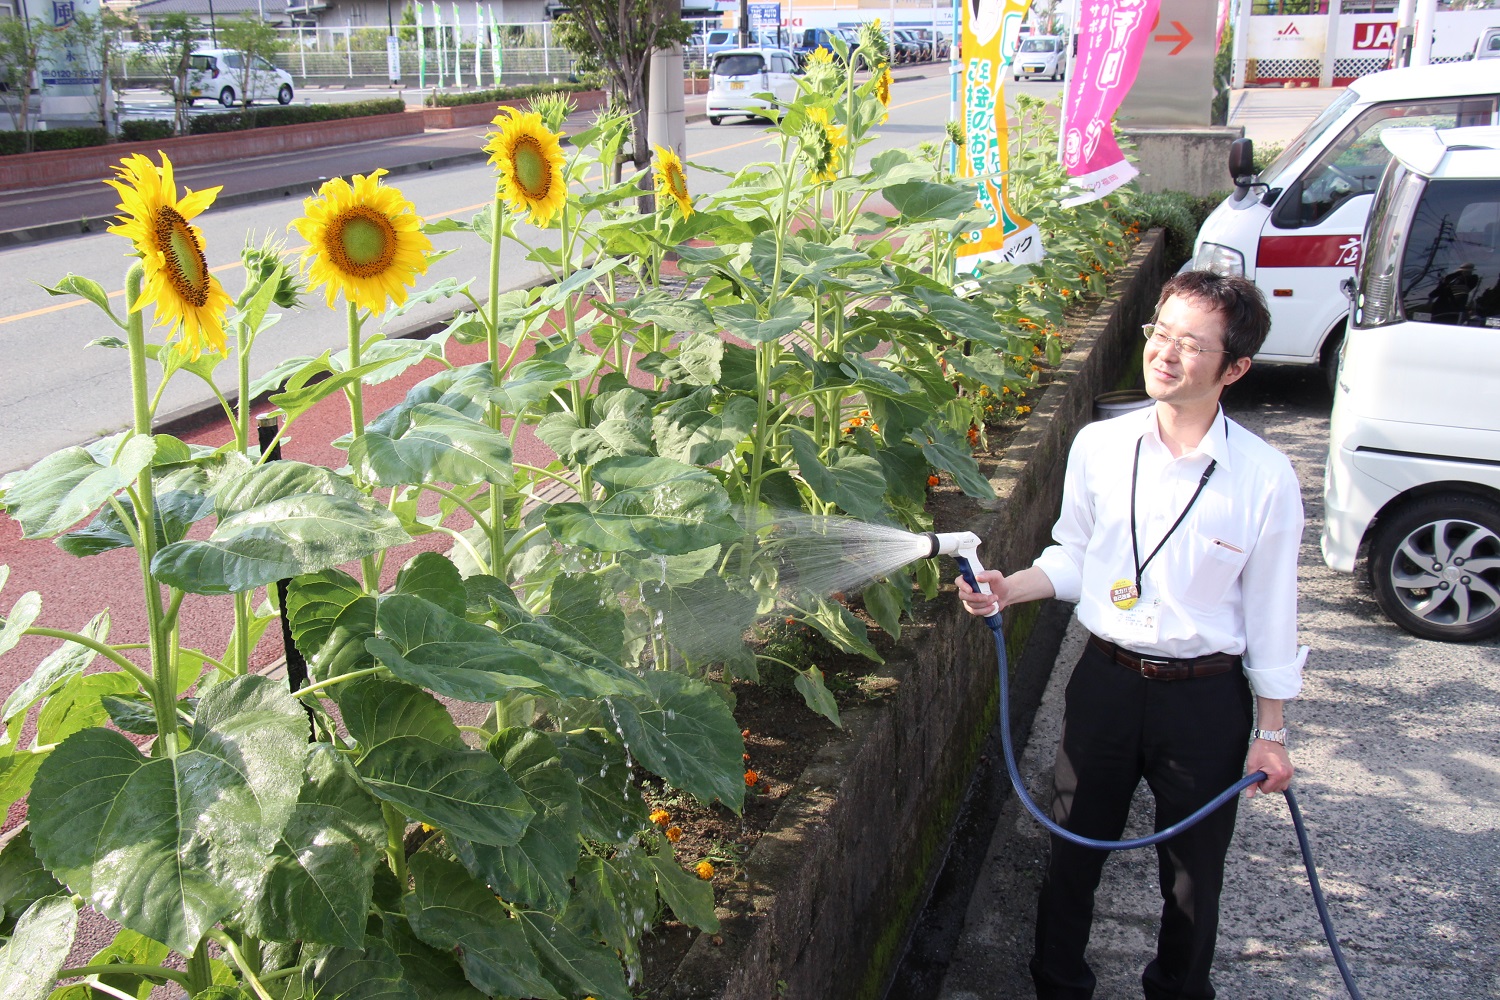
1178,537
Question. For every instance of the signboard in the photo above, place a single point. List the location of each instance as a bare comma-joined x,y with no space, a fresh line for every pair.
1175,82
765,16
991,29
393,58
69,73
1111,38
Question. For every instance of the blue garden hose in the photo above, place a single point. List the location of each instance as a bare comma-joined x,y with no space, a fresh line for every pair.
994,623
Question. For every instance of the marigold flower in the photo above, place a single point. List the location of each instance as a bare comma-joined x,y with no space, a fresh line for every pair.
973,435
704,870
660,817
933,480
1023,409
751,778
746,757
674,833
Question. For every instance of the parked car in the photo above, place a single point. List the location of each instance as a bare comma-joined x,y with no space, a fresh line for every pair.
812,39
1412,477
1295,230
907,47
1041,55
219,74
738,79
1488,45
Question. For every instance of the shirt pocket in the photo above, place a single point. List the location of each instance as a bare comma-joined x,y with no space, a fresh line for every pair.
1217,563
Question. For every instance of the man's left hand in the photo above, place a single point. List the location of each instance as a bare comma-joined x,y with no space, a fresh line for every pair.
1273,759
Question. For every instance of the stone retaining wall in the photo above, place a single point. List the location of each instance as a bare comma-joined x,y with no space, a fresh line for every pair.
830,889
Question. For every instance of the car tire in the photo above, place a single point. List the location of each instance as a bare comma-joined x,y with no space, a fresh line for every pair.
284,95
1328,360
715,120
1435,568
226,97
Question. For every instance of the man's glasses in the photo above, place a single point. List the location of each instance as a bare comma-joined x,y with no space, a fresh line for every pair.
1187,348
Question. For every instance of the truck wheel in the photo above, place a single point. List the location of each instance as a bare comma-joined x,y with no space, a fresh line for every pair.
1435,567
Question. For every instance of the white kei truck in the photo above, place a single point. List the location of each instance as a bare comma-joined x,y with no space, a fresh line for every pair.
1296,229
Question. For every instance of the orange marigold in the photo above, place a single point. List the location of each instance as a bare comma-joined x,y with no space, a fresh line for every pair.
660,817
751,778
933,480
705,870
674,833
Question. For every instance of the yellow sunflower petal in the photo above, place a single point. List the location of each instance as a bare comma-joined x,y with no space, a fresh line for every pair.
364,240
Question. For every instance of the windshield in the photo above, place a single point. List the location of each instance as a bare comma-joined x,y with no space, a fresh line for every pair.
1311,134
741,64
1039,45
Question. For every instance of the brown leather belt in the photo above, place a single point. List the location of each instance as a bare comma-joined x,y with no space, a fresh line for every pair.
1164,669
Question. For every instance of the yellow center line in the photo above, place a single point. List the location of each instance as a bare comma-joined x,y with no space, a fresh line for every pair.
120,292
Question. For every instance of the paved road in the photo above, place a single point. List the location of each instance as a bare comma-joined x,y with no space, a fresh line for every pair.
1397,742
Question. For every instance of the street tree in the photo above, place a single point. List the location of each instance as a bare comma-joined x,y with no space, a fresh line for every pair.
617,38
20,54
169,49
256,42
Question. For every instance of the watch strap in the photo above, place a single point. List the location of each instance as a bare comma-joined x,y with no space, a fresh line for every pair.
1273,735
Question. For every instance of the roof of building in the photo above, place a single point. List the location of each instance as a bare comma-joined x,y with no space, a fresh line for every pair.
274,9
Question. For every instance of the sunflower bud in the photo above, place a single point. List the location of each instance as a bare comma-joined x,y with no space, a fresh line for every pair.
264,263
873,41
956,133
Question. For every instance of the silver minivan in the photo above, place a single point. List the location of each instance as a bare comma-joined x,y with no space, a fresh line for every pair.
1413,473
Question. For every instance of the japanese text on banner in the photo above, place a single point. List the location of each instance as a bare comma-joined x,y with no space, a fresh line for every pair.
991,31
1111,37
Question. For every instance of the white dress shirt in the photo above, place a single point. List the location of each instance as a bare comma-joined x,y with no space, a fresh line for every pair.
1226,578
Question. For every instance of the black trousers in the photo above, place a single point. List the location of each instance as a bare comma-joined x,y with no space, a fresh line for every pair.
1188,739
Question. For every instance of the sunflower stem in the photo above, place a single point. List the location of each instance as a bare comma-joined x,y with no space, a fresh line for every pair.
242,405
163,678
496,526
356,394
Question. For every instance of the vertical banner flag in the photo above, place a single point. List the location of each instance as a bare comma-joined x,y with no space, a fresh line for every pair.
991,31
421,50
1111,38
458,48
496,60
479,45
442,41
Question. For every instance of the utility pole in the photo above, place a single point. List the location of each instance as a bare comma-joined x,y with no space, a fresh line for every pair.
213,30
744,24
666,121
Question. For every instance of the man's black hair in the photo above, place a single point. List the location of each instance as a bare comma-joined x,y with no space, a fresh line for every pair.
1247,321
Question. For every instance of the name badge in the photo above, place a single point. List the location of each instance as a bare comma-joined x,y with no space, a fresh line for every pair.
1137,625
1123,594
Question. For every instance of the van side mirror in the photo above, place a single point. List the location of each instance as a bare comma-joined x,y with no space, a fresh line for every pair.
1242,165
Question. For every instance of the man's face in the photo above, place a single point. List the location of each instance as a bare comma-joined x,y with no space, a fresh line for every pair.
1173,377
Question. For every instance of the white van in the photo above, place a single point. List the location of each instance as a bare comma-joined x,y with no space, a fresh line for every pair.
1413,474
1295,230
220,75
738,75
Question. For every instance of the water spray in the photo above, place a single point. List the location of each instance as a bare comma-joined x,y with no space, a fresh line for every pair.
963,546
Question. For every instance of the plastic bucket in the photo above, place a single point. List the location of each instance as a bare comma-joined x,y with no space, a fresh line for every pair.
1121,401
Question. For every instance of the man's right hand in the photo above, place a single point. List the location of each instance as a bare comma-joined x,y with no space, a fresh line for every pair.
984,605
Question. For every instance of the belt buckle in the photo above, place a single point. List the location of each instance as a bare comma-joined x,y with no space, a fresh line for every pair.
1152,669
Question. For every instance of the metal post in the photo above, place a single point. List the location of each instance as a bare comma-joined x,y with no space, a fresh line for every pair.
1331,44
1239,64
213,32
744,24
1401,45
1421,41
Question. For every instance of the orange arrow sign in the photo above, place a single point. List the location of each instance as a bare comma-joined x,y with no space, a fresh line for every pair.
1182,38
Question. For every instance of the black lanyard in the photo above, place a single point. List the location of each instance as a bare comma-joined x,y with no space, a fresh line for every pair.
1135,548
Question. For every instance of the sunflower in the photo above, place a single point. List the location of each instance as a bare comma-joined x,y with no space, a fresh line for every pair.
364,240
822,73
670,180
530,160
821,142
188,299
883,83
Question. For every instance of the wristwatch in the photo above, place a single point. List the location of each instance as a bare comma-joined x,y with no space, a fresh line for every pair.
1274,735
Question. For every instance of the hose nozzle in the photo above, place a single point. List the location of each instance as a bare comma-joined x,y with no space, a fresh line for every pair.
963,546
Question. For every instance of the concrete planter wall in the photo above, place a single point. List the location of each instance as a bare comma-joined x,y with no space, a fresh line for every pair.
466,115
830,888
92,163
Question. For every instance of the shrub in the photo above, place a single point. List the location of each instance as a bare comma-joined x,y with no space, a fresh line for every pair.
1179,213
53,138
144,130
293,114
498,94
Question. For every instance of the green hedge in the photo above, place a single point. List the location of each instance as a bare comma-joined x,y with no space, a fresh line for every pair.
504,94
292,114
145,129
52,138
1179,213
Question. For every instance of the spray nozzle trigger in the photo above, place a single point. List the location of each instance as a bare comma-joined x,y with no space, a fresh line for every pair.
963,546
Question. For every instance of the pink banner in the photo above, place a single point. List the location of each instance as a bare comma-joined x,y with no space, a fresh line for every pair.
1111,38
